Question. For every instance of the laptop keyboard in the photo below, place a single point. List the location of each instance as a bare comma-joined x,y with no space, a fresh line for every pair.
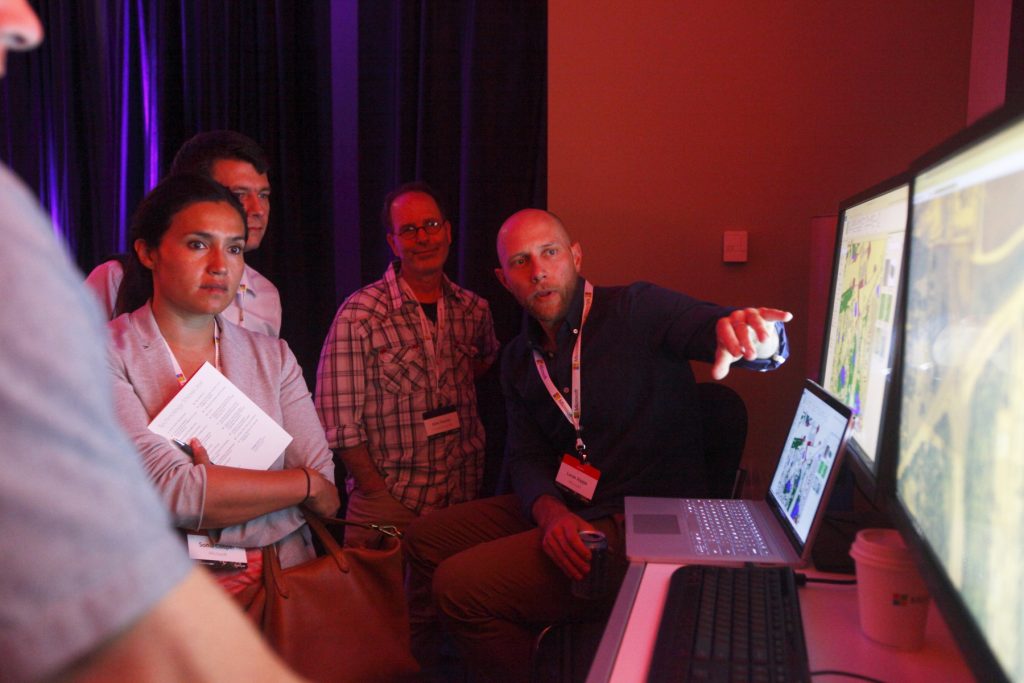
721,528
730,624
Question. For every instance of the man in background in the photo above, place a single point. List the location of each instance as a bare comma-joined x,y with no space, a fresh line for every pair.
94,583
239,164
395,385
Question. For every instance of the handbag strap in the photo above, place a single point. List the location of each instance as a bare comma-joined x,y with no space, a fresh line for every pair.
316,525
272,576
384,529
272,579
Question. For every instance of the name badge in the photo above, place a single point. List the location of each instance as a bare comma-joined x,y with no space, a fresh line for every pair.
441,421
203,550
578,477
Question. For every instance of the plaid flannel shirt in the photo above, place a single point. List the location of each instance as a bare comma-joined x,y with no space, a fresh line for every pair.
374,383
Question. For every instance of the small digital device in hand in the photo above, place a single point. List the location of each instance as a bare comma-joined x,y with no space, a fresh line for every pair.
595,583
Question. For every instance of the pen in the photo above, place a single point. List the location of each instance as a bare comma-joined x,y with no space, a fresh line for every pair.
183,446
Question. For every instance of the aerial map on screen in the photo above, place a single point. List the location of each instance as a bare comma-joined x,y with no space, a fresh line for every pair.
863,307
961,456
810,454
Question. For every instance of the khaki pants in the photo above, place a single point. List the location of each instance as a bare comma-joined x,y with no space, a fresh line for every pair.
493,585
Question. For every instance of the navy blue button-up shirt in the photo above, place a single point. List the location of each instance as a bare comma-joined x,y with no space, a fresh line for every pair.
639,415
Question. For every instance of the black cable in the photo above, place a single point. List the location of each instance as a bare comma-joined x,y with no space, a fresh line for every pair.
838,582
803,579
848,674
837,521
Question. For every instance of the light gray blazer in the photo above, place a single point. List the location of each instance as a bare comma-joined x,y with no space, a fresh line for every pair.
266,371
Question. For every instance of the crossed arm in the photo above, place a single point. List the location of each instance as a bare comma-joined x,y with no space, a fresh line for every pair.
235,495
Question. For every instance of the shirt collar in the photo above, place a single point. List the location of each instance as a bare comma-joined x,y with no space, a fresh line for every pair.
145,323
449,290
245,284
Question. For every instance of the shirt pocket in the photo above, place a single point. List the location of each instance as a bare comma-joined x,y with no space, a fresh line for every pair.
463,362
403,369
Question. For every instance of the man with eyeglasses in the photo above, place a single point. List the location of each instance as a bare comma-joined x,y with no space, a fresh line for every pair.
395,385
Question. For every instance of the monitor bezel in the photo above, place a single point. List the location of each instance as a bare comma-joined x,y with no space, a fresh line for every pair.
967,633
871,481
803,546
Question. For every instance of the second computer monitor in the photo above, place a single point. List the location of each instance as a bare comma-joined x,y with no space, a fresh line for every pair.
959,477
858,355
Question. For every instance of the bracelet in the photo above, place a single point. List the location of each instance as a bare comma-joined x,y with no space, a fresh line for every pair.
306,472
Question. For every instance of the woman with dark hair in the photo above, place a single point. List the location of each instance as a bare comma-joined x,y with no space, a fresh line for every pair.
188,237
152,219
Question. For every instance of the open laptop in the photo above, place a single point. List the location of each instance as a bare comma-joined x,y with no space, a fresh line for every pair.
776,530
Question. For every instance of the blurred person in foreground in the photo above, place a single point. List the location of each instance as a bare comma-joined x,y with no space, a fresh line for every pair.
94,583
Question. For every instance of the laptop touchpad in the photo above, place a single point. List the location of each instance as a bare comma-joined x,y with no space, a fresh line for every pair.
655,524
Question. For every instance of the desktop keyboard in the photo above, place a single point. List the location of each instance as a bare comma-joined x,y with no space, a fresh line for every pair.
723,528
730,624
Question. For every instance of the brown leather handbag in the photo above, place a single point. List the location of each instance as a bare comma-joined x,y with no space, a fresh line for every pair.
339,617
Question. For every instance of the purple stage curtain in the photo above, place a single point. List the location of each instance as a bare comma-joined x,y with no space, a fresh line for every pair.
92,120
348,98
455,93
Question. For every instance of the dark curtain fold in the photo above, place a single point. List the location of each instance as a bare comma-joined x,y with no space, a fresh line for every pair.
68,114
451,92
454,93
92,120
261,68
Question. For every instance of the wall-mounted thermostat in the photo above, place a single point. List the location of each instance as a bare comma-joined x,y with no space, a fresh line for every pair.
734,246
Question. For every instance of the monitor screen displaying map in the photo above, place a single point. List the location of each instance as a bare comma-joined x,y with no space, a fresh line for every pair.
858,355
813,448
960,459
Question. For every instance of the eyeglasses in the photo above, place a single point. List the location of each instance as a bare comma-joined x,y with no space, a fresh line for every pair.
409,232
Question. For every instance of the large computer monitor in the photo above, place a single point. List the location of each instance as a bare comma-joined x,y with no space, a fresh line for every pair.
857,358
959,487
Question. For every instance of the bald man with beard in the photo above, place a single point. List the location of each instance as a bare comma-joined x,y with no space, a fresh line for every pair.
601,404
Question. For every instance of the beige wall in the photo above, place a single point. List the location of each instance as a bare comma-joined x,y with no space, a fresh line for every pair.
673,120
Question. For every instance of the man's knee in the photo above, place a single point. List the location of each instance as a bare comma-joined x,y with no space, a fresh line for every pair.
418,541
454,585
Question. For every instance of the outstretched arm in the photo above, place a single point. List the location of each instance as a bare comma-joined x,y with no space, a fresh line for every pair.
747,333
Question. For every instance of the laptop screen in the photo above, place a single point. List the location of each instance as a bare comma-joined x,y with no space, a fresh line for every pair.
810,454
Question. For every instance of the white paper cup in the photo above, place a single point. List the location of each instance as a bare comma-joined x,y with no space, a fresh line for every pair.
891,595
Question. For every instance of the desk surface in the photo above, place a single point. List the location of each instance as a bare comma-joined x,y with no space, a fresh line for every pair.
831,627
